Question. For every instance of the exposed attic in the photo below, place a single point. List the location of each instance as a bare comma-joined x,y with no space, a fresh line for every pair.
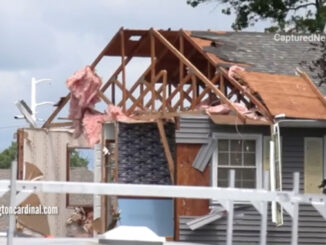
186,76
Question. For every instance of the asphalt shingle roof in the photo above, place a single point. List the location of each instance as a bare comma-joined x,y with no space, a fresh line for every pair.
262,52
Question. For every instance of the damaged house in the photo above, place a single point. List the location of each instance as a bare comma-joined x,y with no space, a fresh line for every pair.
208,102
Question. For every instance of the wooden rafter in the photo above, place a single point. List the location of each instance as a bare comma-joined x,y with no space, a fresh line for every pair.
127,60
206,90
139,82
180,84
139,100
93,65
200,50
166,149
67,97
186,96
107,47
205,78
104,98
194,69
194,89
161,74
252,98
56,111
123,63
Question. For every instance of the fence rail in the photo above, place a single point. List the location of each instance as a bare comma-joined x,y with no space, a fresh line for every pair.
259,198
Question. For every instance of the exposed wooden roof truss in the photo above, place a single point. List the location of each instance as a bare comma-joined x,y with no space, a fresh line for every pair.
178,79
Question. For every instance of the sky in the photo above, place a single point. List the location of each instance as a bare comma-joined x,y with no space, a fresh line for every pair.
53,39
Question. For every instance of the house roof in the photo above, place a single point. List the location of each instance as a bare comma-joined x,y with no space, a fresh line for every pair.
193,66
260,51
255,50
294,96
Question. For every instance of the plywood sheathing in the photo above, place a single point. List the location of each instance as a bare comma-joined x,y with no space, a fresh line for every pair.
187,175
286,94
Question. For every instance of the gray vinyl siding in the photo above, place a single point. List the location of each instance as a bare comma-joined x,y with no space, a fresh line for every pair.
246,229
196,129
312,227
203,156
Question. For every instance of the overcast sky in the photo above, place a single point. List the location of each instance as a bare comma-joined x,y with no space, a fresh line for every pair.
53,39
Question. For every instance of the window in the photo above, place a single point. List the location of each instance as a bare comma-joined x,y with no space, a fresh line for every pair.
240,153
80,163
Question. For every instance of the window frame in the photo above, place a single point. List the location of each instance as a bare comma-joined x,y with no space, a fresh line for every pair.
258,152
68,151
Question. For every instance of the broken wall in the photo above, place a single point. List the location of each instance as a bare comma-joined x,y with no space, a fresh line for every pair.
47,149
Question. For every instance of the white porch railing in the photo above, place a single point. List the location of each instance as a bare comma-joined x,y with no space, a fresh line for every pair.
289,200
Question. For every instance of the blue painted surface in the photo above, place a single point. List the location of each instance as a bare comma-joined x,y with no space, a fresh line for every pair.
156,214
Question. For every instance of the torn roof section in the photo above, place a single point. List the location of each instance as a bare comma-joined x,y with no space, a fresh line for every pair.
294,96
256,51
260,51
188,72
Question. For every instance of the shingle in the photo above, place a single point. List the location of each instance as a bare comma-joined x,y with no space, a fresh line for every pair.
262,52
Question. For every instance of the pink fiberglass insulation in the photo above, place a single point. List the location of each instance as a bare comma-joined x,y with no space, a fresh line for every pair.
92,125
84,86
93,121
115,114
233,69
223,109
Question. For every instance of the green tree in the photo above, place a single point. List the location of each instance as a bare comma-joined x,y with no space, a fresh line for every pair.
76,160
286,15
8,155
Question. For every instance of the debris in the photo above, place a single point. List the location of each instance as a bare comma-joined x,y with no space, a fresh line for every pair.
233,69
79,224
38,223
323,185
84,86
92,126
224,109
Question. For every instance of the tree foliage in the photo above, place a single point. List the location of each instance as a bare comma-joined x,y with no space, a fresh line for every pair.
286,15
76,160
8,155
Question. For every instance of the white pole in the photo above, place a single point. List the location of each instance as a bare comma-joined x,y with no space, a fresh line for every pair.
34,105
33,98
295,217
273,178
230,210
12,221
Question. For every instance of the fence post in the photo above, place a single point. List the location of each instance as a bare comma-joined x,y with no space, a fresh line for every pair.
295,214
264,211
12,223
230,210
